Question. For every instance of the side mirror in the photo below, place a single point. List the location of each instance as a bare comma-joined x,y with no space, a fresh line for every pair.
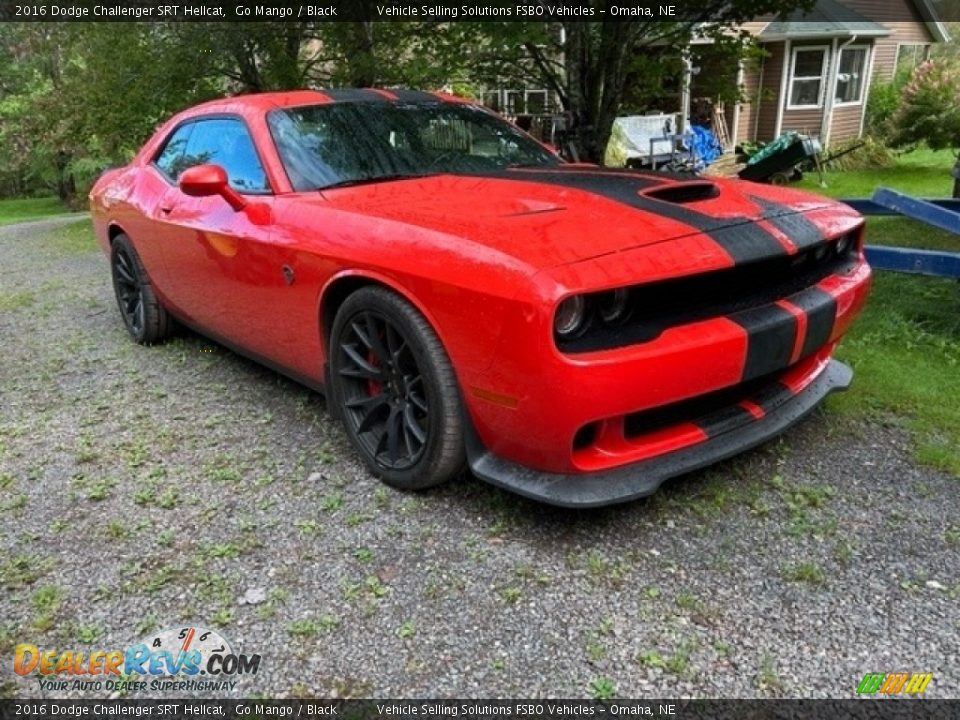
207,180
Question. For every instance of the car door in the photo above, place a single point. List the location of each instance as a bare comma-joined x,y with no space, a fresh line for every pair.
217,259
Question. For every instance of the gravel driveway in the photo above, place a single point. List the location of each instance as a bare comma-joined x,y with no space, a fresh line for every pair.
147,488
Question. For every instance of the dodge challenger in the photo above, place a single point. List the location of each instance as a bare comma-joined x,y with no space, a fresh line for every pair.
461,295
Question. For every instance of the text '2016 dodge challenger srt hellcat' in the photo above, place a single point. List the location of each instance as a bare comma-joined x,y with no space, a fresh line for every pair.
574,333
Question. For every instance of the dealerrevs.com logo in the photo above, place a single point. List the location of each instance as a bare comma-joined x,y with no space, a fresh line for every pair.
170,660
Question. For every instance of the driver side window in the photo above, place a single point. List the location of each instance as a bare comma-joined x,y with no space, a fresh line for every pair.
227,142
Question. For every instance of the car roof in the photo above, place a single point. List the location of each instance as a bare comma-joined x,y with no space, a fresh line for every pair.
291,98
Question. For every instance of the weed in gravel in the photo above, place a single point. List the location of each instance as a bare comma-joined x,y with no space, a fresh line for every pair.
603,568
723,648
275,597
222,617
147,623
311,627
59,525
166,538
511,594
407,630
768,678
652,592
24,569
16,300
363,554
806,571
679,662
169,498
14,504
98,490
951,536
308,526
844,551
332,502
46,603
9,637
86,451
596,650
117,529
87,634
602,688
381,497
498,664
356,518
145,494
375,586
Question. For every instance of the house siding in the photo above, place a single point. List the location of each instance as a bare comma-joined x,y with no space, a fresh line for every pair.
766,114
749,108
905,24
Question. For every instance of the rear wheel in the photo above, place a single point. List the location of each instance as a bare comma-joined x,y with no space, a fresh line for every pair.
146,319
395,390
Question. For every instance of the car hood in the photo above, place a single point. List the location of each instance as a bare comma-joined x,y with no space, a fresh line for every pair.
551,217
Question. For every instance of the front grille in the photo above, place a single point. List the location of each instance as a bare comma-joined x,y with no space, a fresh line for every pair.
655,307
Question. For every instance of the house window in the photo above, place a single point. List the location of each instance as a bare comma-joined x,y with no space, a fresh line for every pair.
807,69
851,75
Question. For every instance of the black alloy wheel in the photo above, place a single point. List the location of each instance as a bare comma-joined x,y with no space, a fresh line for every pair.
395,390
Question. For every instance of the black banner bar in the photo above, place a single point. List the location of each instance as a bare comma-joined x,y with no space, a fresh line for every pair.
888,709
349,10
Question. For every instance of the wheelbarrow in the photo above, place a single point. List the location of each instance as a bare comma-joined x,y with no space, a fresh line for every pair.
779,162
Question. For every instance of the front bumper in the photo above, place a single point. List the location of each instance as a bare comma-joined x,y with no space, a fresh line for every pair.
627,482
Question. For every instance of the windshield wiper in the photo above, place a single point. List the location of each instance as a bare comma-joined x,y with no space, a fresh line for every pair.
374,178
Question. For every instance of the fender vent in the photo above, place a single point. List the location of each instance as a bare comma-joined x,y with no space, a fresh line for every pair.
681,193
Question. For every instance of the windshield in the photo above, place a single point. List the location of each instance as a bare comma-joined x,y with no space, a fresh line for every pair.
346,143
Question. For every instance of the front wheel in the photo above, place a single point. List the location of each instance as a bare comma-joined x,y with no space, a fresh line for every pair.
395,390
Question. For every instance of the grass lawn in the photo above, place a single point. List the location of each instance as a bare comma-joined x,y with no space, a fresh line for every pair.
21,209
922,173
905,347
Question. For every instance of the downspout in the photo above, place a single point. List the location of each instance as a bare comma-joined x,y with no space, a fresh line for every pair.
684,122
834,65
738,106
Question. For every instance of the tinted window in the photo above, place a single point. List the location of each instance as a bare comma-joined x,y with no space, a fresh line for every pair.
170,159
226,142
323,145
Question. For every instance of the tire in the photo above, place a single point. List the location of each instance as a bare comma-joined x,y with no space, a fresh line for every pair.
394,389
146,319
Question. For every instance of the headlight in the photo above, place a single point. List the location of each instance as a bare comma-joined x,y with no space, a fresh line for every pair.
570,316
612,305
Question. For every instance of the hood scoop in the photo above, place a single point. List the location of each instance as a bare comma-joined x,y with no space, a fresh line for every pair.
682,193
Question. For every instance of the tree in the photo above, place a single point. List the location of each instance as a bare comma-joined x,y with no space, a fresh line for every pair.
930,110
592,66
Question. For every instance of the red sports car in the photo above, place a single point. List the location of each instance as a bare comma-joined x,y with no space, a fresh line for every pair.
574,333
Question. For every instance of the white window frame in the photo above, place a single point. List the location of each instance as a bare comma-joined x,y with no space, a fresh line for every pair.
863,80
825,49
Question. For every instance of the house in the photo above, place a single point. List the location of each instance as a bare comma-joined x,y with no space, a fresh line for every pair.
817,67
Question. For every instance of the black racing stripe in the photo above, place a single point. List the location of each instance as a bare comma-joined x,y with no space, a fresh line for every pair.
414,96
772,396
771,332
355,95
821,309
802,231
740,237
724,420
